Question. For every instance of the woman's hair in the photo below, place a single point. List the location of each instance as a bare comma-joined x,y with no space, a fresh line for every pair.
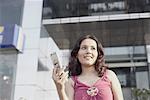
74,64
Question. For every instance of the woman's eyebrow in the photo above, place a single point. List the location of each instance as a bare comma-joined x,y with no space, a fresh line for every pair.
88,46
83,45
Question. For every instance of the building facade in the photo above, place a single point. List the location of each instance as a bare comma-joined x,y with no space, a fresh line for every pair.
49,26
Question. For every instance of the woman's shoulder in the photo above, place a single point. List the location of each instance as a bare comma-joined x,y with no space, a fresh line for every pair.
108,71
111,74
71,81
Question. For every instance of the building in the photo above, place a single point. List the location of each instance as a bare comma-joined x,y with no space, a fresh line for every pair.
53,25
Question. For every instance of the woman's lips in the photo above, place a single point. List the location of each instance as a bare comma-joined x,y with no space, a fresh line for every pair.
88,57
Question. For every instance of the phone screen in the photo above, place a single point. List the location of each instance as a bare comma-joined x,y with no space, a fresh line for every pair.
55,60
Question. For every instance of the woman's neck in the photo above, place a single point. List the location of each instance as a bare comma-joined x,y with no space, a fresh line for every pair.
88,70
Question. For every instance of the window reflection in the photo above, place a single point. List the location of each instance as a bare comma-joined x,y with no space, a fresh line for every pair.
106,8
11,11
7,73
77,8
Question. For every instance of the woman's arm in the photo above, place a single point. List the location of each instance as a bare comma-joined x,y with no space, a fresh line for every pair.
64,86
116,87
70,89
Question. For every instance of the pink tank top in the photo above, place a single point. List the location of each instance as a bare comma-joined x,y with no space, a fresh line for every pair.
101,90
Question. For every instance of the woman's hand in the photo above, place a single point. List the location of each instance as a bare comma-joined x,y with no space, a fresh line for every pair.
59,76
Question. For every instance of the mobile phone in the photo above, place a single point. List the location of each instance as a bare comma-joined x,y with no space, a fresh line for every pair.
55,60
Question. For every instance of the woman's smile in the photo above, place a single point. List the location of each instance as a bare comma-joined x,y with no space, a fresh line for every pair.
88,57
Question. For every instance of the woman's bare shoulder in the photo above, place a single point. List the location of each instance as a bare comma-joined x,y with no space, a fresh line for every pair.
70,81
111,74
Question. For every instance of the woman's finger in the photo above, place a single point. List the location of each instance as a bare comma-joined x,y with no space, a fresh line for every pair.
64,75
60,71
62,78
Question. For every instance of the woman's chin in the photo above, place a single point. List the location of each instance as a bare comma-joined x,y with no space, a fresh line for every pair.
88,64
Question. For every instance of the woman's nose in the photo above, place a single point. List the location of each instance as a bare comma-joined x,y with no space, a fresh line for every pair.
88,50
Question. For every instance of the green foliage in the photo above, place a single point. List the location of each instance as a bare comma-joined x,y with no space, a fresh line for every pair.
141,94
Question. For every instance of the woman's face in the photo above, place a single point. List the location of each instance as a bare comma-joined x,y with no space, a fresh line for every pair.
87,53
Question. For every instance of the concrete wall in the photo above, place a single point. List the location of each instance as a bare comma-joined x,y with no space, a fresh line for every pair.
25,85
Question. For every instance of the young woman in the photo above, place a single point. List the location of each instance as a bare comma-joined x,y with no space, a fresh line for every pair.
89,78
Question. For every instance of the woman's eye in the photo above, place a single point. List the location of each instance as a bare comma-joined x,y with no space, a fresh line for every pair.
93,48
83,48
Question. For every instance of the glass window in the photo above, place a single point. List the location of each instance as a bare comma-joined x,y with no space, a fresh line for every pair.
7,74
76,8
110,33
11,11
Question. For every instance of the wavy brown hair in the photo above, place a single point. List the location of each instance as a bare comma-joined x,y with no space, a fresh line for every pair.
74,64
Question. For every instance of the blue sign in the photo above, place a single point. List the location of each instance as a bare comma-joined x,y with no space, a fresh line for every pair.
11,36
